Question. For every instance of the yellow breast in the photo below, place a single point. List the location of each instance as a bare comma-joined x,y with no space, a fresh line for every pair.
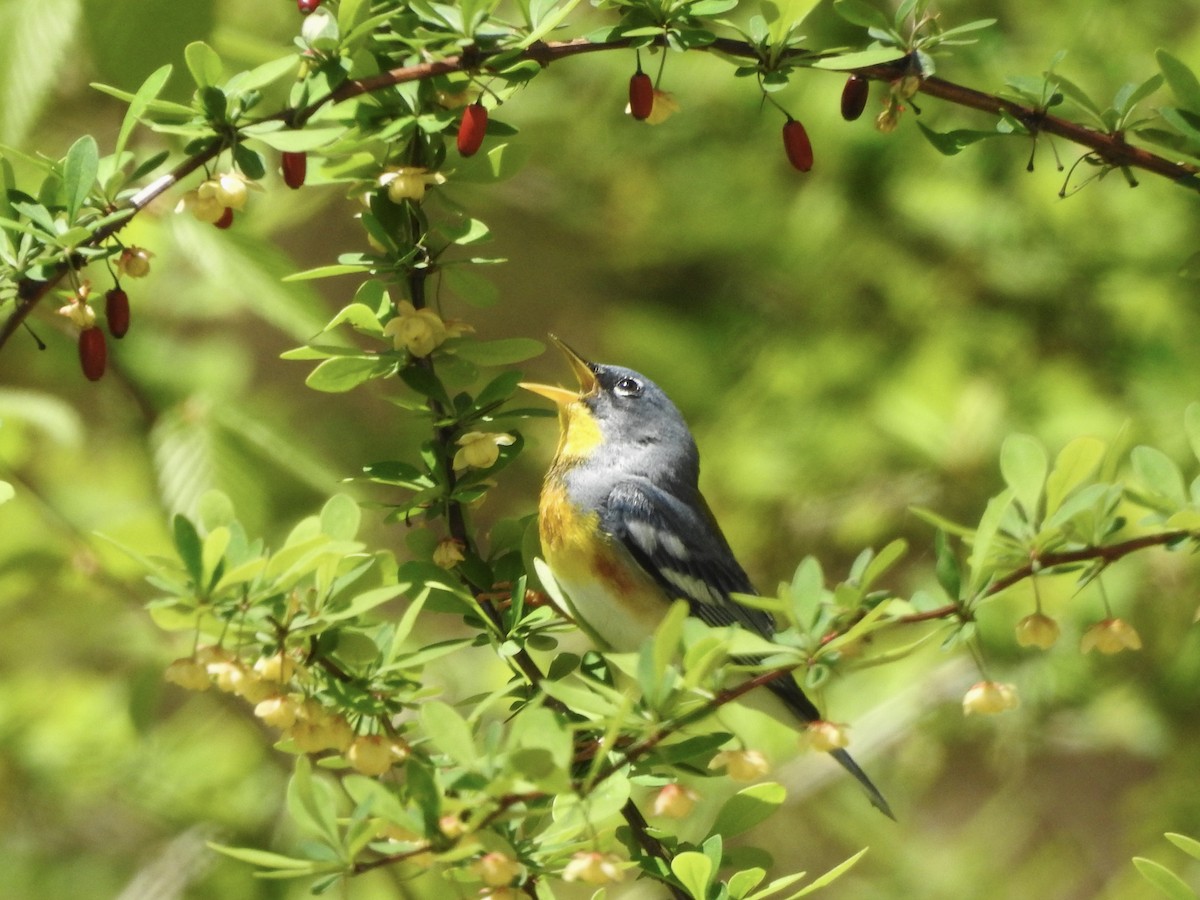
609,592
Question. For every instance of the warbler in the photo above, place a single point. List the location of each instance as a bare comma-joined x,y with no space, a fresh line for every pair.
626,531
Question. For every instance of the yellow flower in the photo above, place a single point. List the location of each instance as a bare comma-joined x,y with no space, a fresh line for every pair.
825,736
1110,636
591,867
230,190
741,765
77,308
480,449
675,801
496,869
277,710
990,697
372,754
448,553
409,182
134,262
665,106
278,668
419,331
1037,630
205,208
188,674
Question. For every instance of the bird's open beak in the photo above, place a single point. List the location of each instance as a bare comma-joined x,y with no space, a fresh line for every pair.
562,396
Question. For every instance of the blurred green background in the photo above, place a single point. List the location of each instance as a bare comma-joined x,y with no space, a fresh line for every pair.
846,344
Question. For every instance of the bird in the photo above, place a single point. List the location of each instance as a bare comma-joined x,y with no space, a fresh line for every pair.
626,532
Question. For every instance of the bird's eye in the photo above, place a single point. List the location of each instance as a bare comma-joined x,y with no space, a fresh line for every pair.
628,387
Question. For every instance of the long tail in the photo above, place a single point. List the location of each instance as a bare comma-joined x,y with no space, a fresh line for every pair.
788,691
860,776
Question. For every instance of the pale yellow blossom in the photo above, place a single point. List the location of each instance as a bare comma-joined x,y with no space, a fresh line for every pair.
448,553
480,449
990,697
675,801
1037,630
409,182
741,765
826,737
419,331
592,867
1110,636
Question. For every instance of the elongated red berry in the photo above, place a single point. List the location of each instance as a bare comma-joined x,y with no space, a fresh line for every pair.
854,97
93,352
307,6
641,95
295,169
796,144
116,312
472,129
226,218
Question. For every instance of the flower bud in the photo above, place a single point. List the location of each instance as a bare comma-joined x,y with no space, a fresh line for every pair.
134,262
741,765
990,697
277,668
231,191
1037,630
826,737
591,867
675,801
497,869
480,450
277,710
447,554
188,674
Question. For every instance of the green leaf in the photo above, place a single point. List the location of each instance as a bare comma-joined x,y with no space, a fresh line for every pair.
1164,879
866,15
1181,79
950,143
187,544
874,56
946,567
985,535
1023,466
265,858
327,272
887,557
341,517
203,62
499,353
743,882
1158,472
1075,463
311,803
747,808
448,731
149,91
831,876
694,871
344,373
293,140
1191,423
1188,845
79,173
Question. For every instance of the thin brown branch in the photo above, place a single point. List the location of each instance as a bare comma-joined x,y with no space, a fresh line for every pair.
1110,149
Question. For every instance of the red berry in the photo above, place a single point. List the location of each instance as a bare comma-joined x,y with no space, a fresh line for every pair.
854,97
641,95
226,218
295,169
797,145
93,353
307,6
116,311
472,128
